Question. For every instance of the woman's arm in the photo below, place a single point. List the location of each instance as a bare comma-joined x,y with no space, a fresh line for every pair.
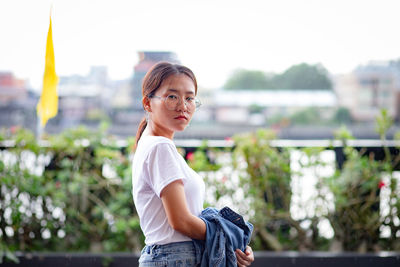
179,217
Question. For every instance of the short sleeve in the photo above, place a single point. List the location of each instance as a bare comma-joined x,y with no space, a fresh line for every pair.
164,167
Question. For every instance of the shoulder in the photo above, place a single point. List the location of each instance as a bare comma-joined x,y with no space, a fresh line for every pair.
156,144
147,140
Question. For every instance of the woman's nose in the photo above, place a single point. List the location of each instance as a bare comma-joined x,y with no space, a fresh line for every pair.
181,105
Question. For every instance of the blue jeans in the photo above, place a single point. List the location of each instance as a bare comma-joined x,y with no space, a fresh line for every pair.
168,255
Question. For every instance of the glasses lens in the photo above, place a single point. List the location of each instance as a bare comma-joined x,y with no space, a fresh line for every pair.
197,103
172,101
190,104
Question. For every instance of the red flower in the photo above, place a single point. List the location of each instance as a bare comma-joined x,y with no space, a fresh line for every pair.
58,184
381,184
14,129
228,139
190,156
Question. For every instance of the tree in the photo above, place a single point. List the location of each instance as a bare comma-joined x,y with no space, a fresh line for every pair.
310,115
304,76
343,116
247,79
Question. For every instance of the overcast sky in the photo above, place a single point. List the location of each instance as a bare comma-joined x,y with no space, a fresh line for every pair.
213,37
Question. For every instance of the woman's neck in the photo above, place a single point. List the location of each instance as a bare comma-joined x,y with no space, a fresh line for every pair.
151,131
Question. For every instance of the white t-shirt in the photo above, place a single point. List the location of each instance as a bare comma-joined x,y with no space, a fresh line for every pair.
156,164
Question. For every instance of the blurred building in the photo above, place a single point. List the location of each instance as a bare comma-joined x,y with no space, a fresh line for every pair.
346,89
17,102
83,99
96,83
146,60
11,88
370,88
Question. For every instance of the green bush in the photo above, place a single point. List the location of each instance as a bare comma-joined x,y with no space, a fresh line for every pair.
356,219
74,196
72,192
257,181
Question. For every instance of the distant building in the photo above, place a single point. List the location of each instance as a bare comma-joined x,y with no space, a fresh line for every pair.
95,84
17,102
83,98
11,88
146,60
121,98
370,88
346,89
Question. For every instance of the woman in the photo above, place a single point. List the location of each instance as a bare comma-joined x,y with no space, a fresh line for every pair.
168,194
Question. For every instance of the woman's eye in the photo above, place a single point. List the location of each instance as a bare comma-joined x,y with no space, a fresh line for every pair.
172,97
190,99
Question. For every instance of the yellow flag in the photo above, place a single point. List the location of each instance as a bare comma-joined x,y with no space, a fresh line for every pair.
48,103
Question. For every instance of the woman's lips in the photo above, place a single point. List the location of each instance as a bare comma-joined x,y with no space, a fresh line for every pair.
181,118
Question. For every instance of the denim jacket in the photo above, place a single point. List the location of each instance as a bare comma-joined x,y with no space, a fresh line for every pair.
226,232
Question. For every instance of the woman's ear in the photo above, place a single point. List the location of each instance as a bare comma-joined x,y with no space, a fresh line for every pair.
146,103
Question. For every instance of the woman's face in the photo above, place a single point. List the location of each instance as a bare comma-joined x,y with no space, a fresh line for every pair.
165,121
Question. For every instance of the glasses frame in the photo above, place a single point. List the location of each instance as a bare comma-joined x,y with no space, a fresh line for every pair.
197,101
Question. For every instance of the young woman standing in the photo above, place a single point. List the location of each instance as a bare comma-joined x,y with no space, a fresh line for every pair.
168,194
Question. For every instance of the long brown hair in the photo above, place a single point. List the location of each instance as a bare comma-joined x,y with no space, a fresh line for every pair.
154,79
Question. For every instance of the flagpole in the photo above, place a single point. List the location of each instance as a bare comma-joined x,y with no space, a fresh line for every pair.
39,129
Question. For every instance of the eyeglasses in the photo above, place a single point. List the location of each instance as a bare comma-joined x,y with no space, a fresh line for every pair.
172,101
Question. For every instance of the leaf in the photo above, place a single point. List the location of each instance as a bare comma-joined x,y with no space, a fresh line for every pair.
121,225
10,256
383,122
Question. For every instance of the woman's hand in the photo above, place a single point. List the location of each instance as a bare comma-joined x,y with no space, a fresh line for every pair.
244,259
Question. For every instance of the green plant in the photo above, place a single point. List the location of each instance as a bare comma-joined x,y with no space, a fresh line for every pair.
265,178
203,159
391,219
356,218
72,192
24,212
75,194
313,205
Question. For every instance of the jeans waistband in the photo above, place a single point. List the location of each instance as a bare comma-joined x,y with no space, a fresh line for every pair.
186,246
